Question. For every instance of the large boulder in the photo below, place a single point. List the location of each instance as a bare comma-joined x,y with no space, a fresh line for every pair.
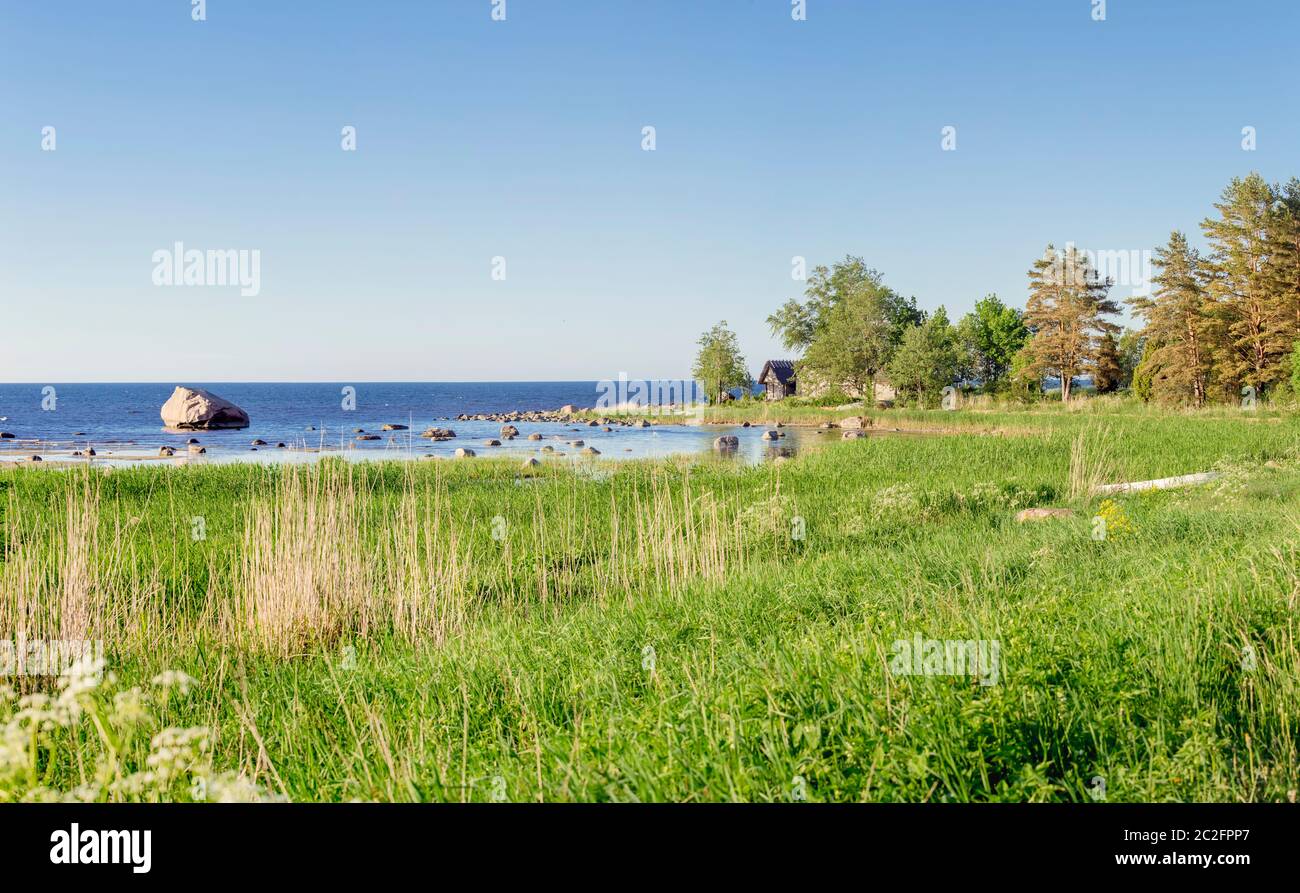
193,408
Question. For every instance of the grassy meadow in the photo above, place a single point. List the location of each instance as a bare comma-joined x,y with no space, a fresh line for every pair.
682,630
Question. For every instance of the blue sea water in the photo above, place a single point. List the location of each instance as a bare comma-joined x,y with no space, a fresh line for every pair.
121,422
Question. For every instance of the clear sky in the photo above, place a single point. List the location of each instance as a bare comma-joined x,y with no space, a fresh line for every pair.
523,139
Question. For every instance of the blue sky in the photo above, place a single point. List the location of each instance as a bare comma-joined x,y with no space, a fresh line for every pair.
523,139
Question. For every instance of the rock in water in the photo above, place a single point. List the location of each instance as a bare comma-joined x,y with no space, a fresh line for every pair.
726,443
191,408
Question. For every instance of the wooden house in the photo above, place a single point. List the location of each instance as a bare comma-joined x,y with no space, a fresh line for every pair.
778,379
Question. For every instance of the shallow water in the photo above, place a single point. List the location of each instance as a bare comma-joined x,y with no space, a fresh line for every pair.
121,423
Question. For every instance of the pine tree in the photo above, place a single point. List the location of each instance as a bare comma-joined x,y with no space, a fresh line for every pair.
1067,309
1241,283
1176,321
1284,258
1106,373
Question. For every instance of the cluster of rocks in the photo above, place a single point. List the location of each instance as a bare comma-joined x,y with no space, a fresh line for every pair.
729,442
565,414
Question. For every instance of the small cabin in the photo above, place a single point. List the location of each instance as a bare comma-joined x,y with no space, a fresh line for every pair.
777,378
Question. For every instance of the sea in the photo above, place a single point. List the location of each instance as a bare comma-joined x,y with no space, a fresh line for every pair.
121,423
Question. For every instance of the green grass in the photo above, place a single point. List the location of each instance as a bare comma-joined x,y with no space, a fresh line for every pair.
653,630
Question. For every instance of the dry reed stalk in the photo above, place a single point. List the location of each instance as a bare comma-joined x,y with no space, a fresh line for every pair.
303,576
50,586
1091,461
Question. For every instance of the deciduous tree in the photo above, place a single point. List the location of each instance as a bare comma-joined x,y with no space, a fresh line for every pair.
719,365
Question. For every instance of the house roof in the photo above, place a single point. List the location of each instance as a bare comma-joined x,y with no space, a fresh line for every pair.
784,370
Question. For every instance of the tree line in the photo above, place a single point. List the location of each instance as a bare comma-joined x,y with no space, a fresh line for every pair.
1214,326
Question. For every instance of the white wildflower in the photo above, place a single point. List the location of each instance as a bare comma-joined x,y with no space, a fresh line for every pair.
176,679
176,752
128,707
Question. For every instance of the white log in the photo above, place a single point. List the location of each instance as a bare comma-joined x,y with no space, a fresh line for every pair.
1184,480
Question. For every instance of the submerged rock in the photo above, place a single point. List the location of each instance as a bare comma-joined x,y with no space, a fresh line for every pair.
191,408
726,442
